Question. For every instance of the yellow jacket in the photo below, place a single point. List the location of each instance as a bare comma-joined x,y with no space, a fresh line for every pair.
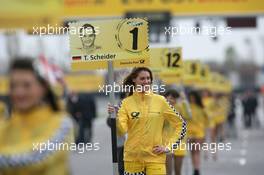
198,123
221,110
210,108
22,132
142,117
182,108
224,106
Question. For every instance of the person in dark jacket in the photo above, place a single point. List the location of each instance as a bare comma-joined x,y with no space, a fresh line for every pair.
82,107
250,104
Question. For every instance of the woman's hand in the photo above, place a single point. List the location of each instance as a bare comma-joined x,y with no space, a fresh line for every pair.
160,149
111,108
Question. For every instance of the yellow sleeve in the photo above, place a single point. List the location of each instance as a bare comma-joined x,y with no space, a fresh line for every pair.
213,109
122,120
177,122
184,111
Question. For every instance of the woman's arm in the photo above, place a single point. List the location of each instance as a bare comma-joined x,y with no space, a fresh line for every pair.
177,122
122,120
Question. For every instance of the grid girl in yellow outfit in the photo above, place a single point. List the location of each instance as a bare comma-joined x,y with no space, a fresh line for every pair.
179,153
35,120
142,117
196,128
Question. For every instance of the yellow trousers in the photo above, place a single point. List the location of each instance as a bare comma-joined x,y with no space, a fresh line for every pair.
143,168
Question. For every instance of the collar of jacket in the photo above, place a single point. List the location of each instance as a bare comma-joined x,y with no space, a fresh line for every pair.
143,95
36,115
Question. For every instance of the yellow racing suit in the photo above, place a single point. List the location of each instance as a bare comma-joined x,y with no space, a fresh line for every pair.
142,117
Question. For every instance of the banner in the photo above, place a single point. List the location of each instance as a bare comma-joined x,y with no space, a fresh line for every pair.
95,8
124,41
30,13
192,72
84,82
167,64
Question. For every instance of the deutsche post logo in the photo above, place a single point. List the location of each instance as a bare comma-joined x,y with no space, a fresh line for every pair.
135,115
141,61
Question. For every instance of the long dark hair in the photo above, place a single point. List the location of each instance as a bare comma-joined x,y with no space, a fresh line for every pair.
27,64
197,98
134,73
173,93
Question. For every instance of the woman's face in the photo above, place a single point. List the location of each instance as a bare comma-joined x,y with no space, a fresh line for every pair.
143,80
171,100
25,90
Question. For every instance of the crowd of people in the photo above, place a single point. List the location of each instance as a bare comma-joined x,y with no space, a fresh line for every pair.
152,128
199,116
